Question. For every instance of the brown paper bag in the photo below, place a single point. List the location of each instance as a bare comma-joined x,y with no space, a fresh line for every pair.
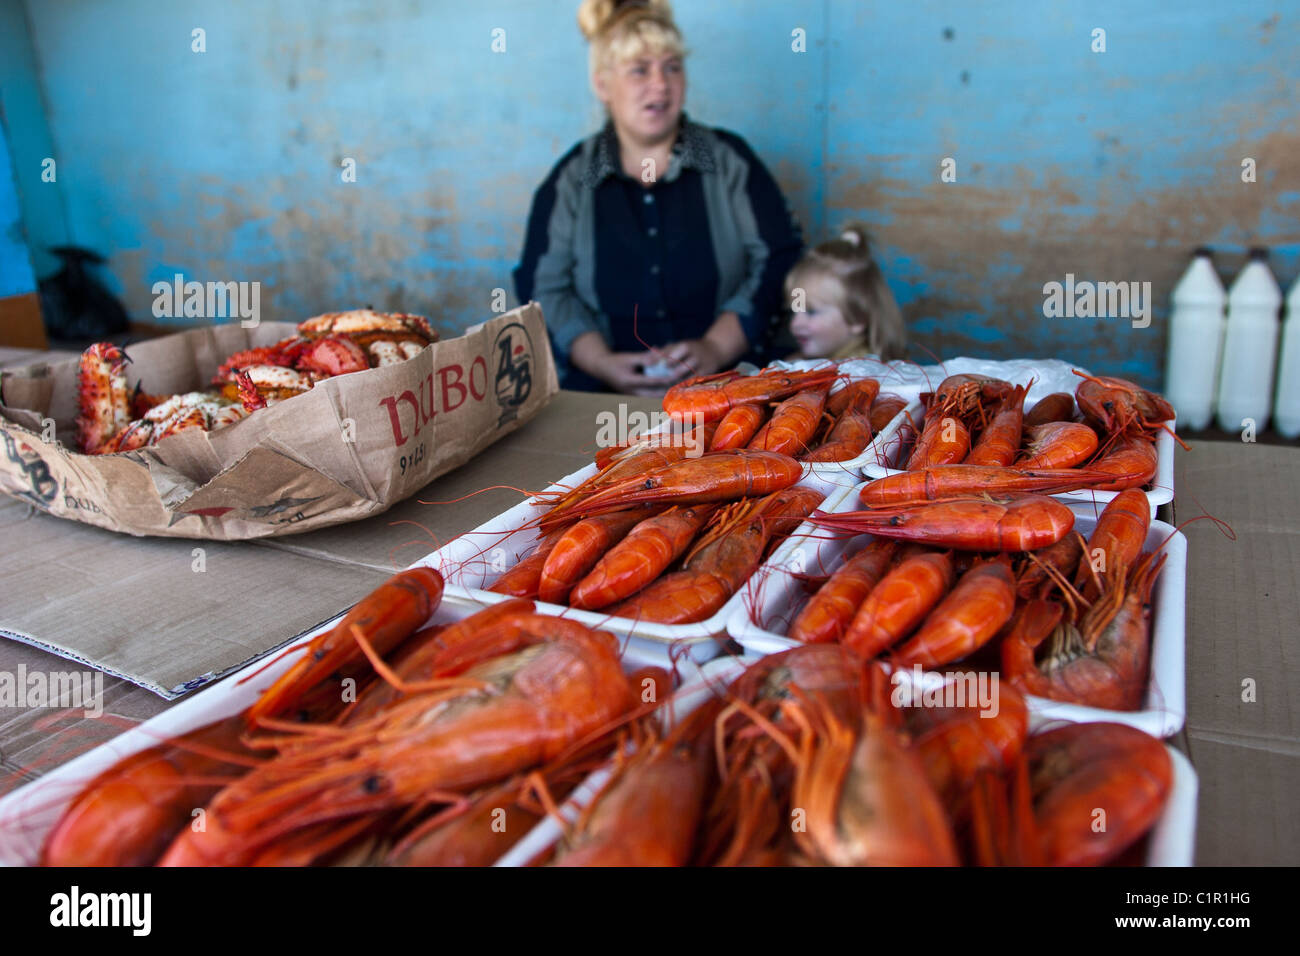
353,446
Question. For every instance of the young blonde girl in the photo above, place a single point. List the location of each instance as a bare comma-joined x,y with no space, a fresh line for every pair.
842,307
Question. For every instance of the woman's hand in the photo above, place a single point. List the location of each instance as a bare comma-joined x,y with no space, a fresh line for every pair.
721,347
621,371
692,357
625,372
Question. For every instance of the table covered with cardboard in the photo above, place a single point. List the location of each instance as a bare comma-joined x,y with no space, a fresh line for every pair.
60,578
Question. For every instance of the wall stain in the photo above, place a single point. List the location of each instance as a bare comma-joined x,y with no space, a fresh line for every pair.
950,259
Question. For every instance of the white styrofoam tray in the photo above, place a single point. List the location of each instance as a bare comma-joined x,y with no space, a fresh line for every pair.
877,451
1172,840
889,457
760,627
472,562
28,814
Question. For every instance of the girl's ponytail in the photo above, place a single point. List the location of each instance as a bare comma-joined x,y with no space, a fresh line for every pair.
855,234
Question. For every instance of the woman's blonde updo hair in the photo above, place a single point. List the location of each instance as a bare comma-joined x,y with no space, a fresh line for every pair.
863,295
619,30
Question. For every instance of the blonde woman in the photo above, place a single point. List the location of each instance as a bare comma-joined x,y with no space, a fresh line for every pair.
657,246
841,305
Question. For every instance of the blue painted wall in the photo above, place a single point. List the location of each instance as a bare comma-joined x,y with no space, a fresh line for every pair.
16,277
1107,165
34,212
226,164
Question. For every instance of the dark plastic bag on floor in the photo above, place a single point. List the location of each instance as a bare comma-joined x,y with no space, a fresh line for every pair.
76,304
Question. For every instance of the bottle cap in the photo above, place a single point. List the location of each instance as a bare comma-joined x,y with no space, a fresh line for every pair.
1203,251
1257,254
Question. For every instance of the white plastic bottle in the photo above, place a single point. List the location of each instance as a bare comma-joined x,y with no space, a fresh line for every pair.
1250,347
1196,328
1286,413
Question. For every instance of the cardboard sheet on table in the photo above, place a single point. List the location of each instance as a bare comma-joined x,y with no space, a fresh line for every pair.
1243,603
156,619
38,739
1247,808
253,596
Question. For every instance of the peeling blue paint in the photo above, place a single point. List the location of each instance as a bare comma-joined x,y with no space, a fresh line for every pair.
16,276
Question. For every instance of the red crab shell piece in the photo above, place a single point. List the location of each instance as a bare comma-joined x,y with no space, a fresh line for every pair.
133,436
228,415
270,382
174,404
248,393
333,355
366,322
284,353
190,417
103,406
142,401
383,352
